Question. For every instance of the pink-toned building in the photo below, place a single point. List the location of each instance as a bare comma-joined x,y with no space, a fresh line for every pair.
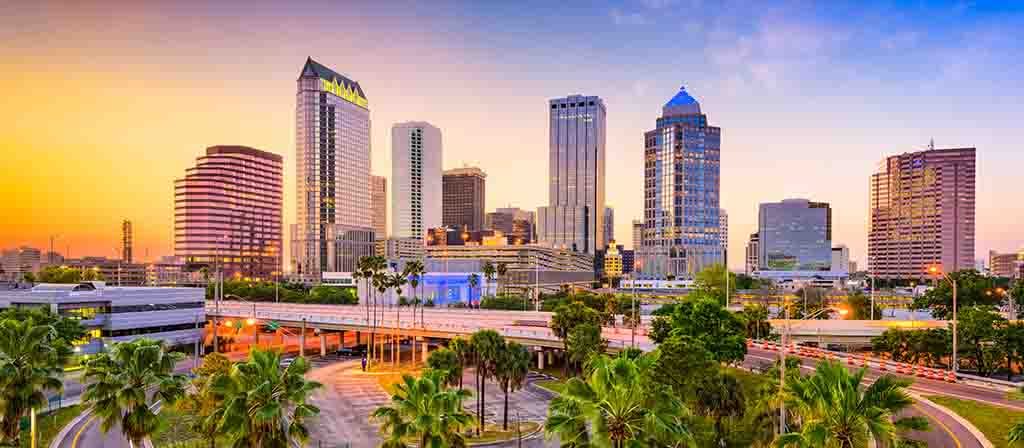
922,214
228,208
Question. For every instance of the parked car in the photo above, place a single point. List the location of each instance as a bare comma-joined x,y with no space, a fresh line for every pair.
359,350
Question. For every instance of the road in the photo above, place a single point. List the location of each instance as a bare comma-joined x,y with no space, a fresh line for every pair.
88,434
945,431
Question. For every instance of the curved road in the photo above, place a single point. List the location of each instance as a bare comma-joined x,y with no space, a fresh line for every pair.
945,431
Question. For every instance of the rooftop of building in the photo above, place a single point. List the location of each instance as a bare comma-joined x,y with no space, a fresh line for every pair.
465,171
314,68
681,104
97,291
246,150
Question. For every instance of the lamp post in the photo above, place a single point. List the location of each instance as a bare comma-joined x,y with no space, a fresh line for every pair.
935,271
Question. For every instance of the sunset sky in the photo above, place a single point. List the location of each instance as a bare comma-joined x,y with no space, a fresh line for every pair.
104,104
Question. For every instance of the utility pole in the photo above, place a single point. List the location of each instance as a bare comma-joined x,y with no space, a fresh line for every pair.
782,373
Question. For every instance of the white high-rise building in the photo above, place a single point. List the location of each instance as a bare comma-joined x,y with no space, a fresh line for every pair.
723,235
333,210
575,214
638,234
416,187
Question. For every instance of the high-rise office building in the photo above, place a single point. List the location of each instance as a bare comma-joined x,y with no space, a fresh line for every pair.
638,232
379,198
681,192
126,241
794,235
415,179
334,214
922,214
464,198
841,259
19,261
609,225
514,222
723,235
227,212
1002,264
753,255
574,216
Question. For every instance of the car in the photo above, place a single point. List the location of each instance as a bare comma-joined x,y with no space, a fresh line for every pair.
359,350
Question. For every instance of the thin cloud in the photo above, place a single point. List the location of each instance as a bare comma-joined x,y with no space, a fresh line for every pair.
620,18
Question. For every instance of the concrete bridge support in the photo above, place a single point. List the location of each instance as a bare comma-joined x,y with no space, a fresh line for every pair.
423,351
302,340
323,344
540,359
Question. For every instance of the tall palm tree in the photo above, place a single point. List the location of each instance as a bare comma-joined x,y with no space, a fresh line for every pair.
615,407
463,349
719,397
489,270
31,361
120,383
265,404
511,369
502,270
837,412
487,346
397,281
474,281
423,409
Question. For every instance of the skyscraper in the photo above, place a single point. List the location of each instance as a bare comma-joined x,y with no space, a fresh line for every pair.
464,198
922,214
753,254
334,218
723,235
415,179
379,199
681,192
794,235
574,216
126,241
638,232
228,208
609,225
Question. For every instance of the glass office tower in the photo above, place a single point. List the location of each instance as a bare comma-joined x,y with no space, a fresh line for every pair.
334,217
574,216
681,192
795,235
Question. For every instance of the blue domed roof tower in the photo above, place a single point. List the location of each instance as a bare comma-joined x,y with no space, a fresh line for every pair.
681,104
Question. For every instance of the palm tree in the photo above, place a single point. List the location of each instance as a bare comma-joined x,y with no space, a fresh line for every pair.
502,269
835,411
474,281
1016,432
422,409
489,271
121,381
616,407
265,404
397,281
718,398
463,349
512,366
364,270
31,361
487,346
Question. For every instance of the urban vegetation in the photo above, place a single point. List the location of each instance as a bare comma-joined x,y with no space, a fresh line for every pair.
31,360
64,274
260,291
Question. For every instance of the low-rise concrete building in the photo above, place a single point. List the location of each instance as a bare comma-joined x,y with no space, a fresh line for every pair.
116,314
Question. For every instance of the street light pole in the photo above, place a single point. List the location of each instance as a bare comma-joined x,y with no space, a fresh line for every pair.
872,296
954,322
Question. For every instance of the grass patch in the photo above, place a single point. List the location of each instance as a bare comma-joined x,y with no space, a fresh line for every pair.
556,386
493,433
555,371
49,424
1015,394
176,430
993,421
387,376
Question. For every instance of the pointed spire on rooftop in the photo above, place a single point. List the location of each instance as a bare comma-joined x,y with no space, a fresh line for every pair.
681,104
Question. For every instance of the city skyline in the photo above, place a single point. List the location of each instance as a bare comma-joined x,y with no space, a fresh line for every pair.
737,55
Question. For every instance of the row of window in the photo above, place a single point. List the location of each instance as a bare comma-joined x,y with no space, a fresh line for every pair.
146,330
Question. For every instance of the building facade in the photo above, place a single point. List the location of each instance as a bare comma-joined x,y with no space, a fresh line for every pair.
638,232
114,272
681,192
415,179
609,225
841,259
20,261
227,212
514,222
794,235
723,235
113,314
126,241
613,266
1003,264
528,264
464,198
922,214
334,214
753,254
574,216
379,199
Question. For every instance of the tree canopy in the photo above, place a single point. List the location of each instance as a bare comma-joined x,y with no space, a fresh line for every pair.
972,289
720,331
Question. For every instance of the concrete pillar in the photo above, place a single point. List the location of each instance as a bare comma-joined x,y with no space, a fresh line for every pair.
423,352
341,339
302,340
551,357
256,335
357,338
540,360
323,344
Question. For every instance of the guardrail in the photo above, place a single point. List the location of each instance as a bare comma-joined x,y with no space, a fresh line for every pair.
853,359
